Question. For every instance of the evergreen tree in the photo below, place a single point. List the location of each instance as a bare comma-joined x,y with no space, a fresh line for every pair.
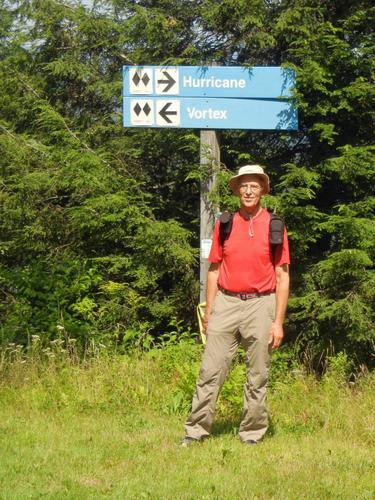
99,224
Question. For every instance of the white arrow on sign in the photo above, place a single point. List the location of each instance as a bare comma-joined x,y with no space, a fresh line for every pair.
168,112
142,112
140,81
167,81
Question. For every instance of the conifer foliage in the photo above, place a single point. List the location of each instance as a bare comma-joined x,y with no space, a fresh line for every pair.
99,223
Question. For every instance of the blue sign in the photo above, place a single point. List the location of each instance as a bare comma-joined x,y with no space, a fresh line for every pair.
215,97
209,81
256,114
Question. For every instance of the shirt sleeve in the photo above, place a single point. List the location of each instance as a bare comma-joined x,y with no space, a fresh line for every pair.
216,253
282,253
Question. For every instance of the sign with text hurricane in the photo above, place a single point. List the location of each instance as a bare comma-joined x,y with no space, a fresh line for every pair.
214,97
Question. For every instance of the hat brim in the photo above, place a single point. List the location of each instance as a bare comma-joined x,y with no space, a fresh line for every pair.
233,181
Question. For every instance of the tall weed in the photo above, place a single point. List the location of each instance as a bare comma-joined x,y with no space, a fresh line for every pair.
162,381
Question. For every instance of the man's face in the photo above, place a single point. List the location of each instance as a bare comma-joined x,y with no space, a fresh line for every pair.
250,191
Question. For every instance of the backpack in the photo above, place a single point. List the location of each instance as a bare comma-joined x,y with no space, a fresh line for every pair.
276,232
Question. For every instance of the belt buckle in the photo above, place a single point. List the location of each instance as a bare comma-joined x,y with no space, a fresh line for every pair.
243,296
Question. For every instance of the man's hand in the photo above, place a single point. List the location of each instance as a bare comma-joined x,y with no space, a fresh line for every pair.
276,335
207,314
212,277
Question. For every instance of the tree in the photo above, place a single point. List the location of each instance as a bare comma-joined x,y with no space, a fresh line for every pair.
83,251
115,211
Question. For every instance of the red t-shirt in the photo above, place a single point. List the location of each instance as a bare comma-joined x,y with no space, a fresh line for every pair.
246,256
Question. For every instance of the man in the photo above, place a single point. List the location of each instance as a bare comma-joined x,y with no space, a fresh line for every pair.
246,301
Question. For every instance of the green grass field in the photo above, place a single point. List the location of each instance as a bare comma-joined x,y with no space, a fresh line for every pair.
110,428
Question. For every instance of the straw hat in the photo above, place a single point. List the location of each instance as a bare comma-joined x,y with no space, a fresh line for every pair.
249,169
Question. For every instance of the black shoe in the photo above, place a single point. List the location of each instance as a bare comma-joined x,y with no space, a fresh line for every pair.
250,442
188,441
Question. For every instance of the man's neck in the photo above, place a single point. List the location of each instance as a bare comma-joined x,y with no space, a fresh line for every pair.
247,212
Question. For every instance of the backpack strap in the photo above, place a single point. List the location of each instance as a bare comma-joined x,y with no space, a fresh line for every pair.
226,222
276,234
277,226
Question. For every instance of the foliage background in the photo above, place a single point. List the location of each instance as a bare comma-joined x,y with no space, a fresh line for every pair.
99,224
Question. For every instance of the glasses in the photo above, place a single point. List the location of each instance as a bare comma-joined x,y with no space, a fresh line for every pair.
254,188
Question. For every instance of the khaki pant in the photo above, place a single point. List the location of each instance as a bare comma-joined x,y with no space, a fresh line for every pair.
233,321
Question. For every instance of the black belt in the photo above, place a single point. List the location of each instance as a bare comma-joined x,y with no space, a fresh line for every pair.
245,295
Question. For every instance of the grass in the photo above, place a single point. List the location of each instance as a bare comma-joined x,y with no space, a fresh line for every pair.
110,428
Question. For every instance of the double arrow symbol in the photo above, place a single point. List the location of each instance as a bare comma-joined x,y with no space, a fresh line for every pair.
169,81
167,112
